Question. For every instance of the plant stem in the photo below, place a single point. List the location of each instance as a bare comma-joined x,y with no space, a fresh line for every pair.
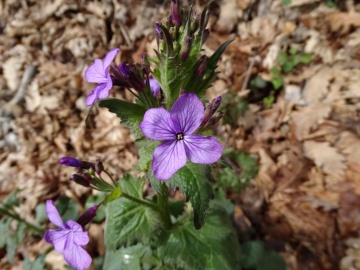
143,202
163,204
18,218
112,179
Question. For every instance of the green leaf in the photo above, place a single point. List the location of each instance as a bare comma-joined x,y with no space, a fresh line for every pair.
96,199
41,215
126,258
37,264
146,149
277,82
4,231
282,58
289,66
268,101
254,256
115,194
130,114
193,181
127,221
68,208
11,199
215,246
212,63
305,58
286,2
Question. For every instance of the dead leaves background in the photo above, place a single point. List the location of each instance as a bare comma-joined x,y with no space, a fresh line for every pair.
306,195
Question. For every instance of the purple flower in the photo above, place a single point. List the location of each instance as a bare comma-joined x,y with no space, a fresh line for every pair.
99,73
68,239
176,129
154,86
73,162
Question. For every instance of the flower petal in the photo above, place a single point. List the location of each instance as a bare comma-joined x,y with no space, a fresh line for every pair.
109,57
168,158
202,149
154,86
53,214
188,111
157,125
76,256
94,95
104,92
80,238
96,72
58,238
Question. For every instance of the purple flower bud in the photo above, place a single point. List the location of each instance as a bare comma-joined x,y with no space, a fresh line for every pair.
215,118
73,162
88,216
175,12
185,49
205,36
124,69
145,64
158,33
211,109
200,70
80,180
99,166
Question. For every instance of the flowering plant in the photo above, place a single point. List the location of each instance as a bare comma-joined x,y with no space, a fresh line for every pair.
167,121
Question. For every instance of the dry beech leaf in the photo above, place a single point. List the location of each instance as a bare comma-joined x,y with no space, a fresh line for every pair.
316,87
342,22
325,157
228,17
309,118
349,145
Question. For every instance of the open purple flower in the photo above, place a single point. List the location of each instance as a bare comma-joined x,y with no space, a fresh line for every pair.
99,73
68,239
176,129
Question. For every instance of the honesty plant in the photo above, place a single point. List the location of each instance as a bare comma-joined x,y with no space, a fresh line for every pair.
176,129
170,122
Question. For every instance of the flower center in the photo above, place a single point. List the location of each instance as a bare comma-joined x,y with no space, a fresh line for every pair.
179,136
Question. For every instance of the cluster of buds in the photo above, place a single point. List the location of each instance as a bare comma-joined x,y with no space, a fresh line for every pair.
128,75
88,174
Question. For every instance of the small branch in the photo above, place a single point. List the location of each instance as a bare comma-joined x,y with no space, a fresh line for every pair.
27,76
248,74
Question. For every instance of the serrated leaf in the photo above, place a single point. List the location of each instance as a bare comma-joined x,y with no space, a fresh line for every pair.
115,194
215,246
127,221
126,258
130,114
146,149
11,199
193,181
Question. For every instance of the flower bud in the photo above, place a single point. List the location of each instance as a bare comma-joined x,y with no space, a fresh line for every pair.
73,162
205,36
99,166
88,216
154,86
80,180
185,49
211,109
175,12
215,118
158,33
200,70
124,69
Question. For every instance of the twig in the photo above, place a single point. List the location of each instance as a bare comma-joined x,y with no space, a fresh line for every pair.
248,74
28,74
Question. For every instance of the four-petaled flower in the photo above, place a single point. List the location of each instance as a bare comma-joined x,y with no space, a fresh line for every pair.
68,239
176,129
99,73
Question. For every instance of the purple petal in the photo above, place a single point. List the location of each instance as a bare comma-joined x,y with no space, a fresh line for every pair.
154,86
76,256
96,72
80,238
58,238
53,214
202,149
188,111
104,92
109,57
157,125
168,157
94,95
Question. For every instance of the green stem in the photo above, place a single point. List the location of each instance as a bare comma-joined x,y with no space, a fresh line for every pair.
18,218
163,205
145,203
112,179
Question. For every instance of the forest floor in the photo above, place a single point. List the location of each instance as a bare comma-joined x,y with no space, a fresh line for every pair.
305,200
